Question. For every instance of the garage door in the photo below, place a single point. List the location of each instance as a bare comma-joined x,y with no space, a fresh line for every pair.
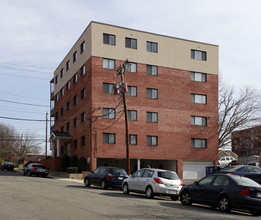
195,170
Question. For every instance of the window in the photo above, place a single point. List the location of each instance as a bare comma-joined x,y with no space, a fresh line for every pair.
108,113
109,39
75,78
68,65
68,85
132,115
83,93
152,47
82,46
75,122
200,99
198,143
61,73
83,141
75,144
62,92
68,106
198,77
62,129
56,116
75,100
107,88
133,139
197,120
198,55
75,56
108,138
108,64
152,93
206,181
152,117
83,117
82,70
152,70
131,43
56,79
131,67
57,97
152,140
132,91
68,126
62,110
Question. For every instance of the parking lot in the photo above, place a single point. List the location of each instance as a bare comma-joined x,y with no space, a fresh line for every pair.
26,197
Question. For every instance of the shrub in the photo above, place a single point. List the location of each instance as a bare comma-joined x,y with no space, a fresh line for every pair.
65,162
74,161
82,165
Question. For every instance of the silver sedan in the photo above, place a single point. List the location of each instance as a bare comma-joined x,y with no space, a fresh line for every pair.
153,182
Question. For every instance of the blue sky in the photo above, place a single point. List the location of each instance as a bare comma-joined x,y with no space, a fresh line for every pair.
36,35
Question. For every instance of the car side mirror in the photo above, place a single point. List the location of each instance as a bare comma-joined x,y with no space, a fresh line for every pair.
196,182
131,176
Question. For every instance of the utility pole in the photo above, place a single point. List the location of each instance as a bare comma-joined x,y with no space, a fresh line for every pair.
46,134
121,71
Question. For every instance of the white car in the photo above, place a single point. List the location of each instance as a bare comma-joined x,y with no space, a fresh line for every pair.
153,182
225,161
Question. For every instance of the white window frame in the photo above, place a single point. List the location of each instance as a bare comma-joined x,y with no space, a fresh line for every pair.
108,113
108,64
198,143
199,120
198,98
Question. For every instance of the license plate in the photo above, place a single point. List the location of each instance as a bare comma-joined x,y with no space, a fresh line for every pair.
258,195
171,192
120,178
41,170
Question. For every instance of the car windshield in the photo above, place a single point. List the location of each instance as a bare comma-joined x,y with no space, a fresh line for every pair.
39,166
233,169
119,171
168,175
243,181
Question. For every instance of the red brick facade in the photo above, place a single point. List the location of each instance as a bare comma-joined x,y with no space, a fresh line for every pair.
173,105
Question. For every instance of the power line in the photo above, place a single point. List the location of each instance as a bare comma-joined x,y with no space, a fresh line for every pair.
8,93
23,76
23,103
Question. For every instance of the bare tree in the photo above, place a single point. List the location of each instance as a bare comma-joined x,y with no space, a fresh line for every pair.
236,111
15,144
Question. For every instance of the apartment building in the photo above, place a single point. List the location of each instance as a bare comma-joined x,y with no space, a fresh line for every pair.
171,99
246,144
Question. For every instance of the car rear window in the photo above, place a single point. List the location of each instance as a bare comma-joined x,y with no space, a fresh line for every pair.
39,166
243,181
168,175
119,171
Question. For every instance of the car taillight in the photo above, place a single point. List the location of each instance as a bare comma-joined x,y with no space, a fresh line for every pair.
245,192
181,184
47,170
34,169
110,175
232,173
157,180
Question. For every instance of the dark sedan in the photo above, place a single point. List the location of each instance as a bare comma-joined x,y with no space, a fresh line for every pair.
252,172
36,169
105,177
225,192
5,165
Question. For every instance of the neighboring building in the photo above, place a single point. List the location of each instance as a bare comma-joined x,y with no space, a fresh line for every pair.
172,101
247,144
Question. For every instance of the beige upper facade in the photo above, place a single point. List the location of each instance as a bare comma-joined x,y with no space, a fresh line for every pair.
172,52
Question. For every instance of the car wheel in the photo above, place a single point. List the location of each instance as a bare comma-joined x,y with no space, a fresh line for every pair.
125,188
255,212
224,204
149,192
103,185
174,198
86,182
185,198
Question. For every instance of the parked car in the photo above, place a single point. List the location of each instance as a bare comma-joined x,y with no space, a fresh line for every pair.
5,165
36,169
252,172
105,177
153,182
227,161
225,192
